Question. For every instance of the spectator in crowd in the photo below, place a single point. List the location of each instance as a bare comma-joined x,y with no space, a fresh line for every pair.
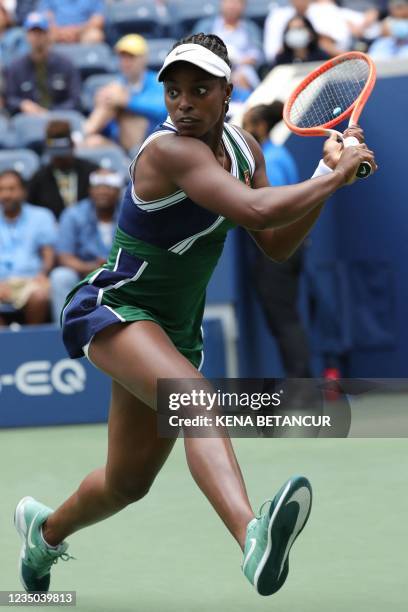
27,239
64,180
75,21
242,38
277,284
86,235
12,40
130,107
275,25
334,25
394,43
41,80
300,43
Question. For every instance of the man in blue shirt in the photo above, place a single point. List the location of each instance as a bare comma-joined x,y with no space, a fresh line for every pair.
277,284
85,235
243,39
75,20
132,105
27,238
41,80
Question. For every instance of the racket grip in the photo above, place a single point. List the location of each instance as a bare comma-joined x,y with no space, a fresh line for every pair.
365,169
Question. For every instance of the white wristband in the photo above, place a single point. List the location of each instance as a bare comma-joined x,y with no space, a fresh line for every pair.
322,169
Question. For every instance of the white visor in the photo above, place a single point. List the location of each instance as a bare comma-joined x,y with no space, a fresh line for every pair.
199,56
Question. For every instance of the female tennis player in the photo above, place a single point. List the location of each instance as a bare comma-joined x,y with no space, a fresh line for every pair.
138,318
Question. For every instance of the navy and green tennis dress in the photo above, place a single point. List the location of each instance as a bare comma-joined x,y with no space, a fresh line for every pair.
162,258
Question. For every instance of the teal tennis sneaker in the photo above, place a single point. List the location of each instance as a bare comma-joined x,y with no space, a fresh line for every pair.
270,535
36,558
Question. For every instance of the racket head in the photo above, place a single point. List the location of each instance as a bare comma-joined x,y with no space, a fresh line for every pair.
340,87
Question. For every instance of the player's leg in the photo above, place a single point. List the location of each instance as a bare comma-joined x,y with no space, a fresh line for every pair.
139,354
135,456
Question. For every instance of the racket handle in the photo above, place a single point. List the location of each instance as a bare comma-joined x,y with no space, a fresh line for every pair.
365,169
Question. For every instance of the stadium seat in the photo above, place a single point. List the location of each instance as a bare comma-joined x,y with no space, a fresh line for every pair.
7,135
191,12
258,10
91,86
30,129
24,161
158,49
129,17
107,157
88,58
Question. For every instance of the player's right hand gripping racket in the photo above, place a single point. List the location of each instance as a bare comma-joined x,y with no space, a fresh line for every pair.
336,90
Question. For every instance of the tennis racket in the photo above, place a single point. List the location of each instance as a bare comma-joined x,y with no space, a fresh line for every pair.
335,91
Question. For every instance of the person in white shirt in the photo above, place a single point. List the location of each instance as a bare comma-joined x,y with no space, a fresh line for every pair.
334,25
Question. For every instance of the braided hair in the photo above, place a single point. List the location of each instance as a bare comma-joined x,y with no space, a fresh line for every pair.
209,41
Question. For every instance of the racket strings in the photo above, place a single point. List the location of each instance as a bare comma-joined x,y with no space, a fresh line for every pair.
330,94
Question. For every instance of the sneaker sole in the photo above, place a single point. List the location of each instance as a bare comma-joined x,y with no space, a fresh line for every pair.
21,527
288,519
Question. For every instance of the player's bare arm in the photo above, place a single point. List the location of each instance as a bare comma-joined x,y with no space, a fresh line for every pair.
281,243
190,165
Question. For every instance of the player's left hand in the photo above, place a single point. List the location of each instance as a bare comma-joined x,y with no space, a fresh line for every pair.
333,146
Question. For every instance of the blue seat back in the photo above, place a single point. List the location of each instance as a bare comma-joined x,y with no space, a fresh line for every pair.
96,58
111,158
23,161
30,129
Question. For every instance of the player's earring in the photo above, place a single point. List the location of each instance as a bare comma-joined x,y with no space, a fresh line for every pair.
227,101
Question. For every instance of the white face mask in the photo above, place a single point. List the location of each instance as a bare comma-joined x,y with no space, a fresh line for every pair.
298,38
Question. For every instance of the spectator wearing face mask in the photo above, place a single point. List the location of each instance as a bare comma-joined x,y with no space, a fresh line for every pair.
394,44
275,25
300,43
